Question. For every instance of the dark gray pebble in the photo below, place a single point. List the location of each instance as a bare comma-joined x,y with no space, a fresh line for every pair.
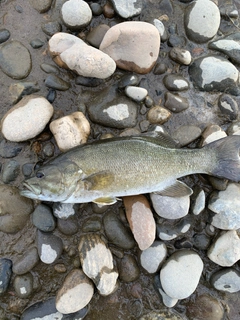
10,171
228,106
36,43
96,9
5,274
51,27
10,149
201,241
27,169
96,35
68,226
43,219
51,96
19,8
128,269
92,224
54,82
23,88
88,82
49,68
175,103
26,262
128,80
4,35
23,285
176,41
183,243
160,68
48,149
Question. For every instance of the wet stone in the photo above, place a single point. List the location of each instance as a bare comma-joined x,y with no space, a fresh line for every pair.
202,20
41,6
23,285
57,83
27,169
175,103
228,9
212,133
226,280
128,80
228,106
51,96
128,269
175,82
15,68
186,134
160,68
49,68
49,247
26,262
68,226
87,81
64,210
9,149
43,219
10,171
20,89
180,274
169,231
198,201
96,35
76,14
136,93
127,8
152,258
75,293
116,232
4,35
93,224
161,29
108,10
51,27
96,9
5,274
201,241
48,149
36,43
214,73
158,115
180,56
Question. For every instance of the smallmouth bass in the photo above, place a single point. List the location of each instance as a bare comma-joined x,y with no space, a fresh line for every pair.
105,170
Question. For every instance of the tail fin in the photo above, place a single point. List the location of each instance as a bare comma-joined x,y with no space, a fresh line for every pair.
227,153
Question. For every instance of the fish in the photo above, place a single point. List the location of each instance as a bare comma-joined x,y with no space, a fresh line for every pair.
103,171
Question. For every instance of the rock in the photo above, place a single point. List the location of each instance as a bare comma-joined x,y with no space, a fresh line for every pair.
133,45
42,218
128,269
96,35
76,14
10,171
49,68
234,128
225,250
5,274
70,131
186,134
26,119
4,35
64,210
41,6
180,274
205,307
128,80
161,29
97,263
180,56
26,262
20,89
87,82
15,68
57,83
71,52
175,103
168,314
167,301
127,9
96,9
226,280
140,219
51,27
68,226
201,241
108,10
136,93
229,45
23,285
226,205
116,231
214,73
36,43
169,231
228,106
10,149
198,201
228,9
14,209
49,247
158,115
174,82
94,224
75,293
170,207
212,133
152,258
202,20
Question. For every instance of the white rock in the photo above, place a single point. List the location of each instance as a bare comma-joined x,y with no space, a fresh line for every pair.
168,301
70,131
225,251
161,29
71,52
75,293
181,273
76,14
180,55
212,133
26,119
136,93
63,210
127,8
226,280
153,257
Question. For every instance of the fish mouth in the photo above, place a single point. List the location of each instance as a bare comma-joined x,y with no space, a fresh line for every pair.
30,190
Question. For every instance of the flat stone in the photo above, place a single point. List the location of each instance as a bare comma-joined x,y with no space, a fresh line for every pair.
76,14
138,94
228,106
202,20
153,257
175,102
5,274
198,201
158,115
15,60
161,29
226,280
41,6
128,269
133,45
20,89
27,118
71,52
70,131
4,35
180,55
23,285
140,219
175,82
51,27
26,262
212,133
43,219
186,134
225,251
49,247
57,83
127,8
181,273
96,35
215,73
68,226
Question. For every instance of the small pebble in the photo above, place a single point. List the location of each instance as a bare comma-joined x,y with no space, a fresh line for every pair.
136,93
4,35
152,258
10,171
49,247
23,285
57,83
226,280
128,80
68,226
128,269
51,27
175,103
158,115
180,56
43,219
228,106
76,14
5,274
36,43
175,82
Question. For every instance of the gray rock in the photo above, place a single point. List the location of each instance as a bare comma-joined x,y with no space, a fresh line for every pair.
96,35
180,55
202,20
212,133
152,258
10,149
201,241
168,301
174,82
128,269
41,6
214,73
226,280
127,8
228,9
128,80
20,89
36,43
49,246
228,106
4,35
175,103
10,171
180,274
57,83
225,250
68,226
76,14
15,60
43,219
26,262
23,285
169,231
198,201
116,232
161,29
51,27
92,224
137,94
5,274
226,205
49,68
186,134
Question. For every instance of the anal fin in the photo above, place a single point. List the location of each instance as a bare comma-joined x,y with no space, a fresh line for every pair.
178,189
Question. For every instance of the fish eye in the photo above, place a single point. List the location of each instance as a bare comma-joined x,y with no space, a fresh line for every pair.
39,174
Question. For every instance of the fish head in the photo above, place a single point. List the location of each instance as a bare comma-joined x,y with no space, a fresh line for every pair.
52,182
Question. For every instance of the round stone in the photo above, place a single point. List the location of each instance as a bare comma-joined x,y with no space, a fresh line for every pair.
226,280
158,115
136,93
76,14
49,247
127,8
42,218
23,285
128,269
15,60
26,261
4,35
175,82
152,258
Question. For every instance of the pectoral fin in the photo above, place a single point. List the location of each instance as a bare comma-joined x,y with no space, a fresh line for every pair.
98,181
178,189
105,201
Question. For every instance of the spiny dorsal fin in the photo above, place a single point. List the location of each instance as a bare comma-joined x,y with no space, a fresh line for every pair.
159,138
